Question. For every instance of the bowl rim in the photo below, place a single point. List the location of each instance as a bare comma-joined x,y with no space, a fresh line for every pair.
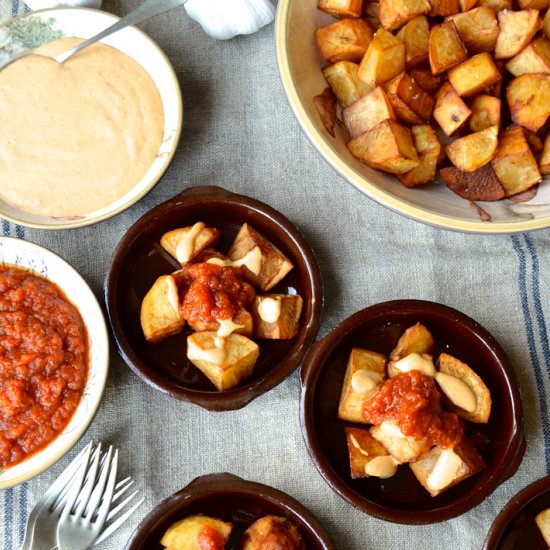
361,183
171,74
513,508
241,395
206,485
100,334
312,365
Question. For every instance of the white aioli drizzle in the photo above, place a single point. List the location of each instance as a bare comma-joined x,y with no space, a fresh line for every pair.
218,353
186,247
457,391
172,293
444,471
381,466
415,361
364,380
269,309
252,260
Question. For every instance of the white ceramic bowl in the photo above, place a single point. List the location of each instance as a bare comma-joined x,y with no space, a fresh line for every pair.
300,68
84,23
52,267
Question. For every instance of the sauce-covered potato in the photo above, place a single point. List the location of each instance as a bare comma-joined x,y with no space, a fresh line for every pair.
273,532
197,532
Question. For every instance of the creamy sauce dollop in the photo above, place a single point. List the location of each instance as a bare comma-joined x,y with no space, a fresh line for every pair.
76,136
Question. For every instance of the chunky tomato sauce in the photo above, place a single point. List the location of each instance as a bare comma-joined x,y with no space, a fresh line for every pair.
412,401
210,539
43,358
213,292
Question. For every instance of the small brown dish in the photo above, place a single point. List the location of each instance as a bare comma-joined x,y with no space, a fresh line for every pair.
139,260
401,499
515,528
229,498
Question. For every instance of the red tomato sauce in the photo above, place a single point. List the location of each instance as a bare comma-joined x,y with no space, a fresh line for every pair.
210,539
213,292
43,363
412,401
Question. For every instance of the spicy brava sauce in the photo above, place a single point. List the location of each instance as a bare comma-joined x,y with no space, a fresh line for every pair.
43,363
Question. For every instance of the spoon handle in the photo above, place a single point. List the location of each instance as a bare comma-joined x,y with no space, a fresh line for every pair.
145,11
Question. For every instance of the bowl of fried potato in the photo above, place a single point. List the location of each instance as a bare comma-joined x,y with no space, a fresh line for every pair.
213,297
437,109
411,412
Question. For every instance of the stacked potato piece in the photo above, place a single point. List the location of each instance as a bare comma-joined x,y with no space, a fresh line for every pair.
460,85
221,348
378,451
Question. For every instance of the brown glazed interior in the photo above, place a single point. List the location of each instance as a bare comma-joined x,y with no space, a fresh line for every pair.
515,528
229,498
402,499
139,260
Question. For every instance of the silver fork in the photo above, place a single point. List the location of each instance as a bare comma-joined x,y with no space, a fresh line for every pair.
88,503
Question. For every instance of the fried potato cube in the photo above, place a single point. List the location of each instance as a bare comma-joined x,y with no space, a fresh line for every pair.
370,14
416,339
450,111
496,5
485,112
533,4
446,49
467,5
241,317
342,78
535,58
274,265
544,162
394,14
445,8
416,36
401,448
204,256
517,28
189,533
224,367
384,59
514,163
473,75
161,314
428,148
473,151
546,24
367,112
426,80
345,40
388,146
271,532
440,469
277,316
480,185
362,449
411,103
527,97
371,367
542,519
447,364
185,243
341,8
326,103
477,28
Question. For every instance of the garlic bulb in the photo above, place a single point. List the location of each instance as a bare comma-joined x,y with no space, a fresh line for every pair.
223,19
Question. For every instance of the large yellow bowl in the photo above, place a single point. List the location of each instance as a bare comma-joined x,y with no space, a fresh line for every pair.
300,68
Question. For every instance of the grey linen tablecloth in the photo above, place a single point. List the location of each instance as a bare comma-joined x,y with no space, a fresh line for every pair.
239,132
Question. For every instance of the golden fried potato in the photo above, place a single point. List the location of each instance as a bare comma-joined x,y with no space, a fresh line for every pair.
517,28
272,532
428,148
535,58
277,316
193,532
341,8
161,314
185,243
342,78
546,24
385,58
480,185
446,49
325,104
345,40
426,80
241,317
527,97
450,111
363,449
227,366
444,8
410,102
388,146
467,5
496,5
474,150
514,163
542,519
534,4
416,339
485,112
401,448
477,28
367,112
394,14
544,162
473,75
416,36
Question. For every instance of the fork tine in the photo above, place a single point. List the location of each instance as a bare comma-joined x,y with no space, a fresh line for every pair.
87,489
118,507
90,507
107,496
121,487
115,525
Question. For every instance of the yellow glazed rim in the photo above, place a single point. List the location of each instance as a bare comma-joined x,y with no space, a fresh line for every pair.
360,182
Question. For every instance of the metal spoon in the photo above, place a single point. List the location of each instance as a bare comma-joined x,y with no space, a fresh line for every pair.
145,11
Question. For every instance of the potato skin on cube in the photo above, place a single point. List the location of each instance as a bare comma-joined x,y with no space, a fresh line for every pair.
345,40
446,49
473,75
528,97
480,185
384,59
388,146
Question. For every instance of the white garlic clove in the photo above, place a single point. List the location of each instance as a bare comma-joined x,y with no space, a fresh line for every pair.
224,19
